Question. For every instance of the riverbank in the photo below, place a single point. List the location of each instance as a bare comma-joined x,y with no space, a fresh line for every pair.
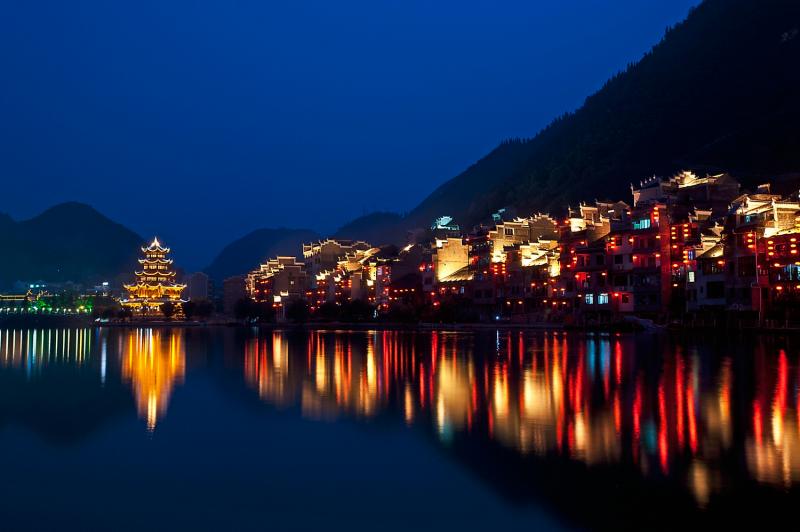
631,326
334,326
45,320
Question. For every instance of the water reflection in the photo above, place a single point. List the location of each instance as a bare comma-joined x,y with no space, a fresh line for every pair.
34,349
598,400
701,419
773,447
150,361
153,362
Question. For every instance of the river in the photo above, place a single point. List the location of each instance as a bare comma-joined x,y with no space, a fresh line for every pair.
241,429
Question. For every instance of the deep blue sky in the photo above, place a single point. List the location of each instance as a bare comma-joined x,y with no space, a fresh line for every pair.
200,120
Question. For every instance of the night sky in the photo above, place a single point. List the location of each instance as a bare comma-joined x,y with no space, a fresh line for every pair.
200,121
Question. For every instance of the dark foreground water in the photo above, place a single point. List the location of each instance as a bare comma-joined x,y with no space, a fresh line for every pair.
225,429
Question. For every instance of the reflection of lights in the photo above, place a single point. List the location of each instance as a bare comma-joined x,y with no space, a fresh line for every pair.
545,394
35,349
408,404
699,482
580,433
153,362
500,385
775,457
372,372
321,374
279,354
454,392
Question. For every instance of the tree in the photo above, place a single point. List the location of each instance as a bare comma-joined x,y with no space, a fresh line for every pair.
189,309
457,309
244,309
328,311
247,309
357,310
297,311
203,308
265,312
401,312
105,307
168,309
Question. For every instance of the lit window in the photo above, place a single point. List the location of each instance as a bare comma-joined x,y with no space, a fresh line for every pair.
589,299
602,299
691,277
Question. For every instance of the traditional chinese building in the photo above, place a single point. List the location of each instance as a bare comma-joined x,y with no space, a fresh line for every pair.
277,281
325,255
155,283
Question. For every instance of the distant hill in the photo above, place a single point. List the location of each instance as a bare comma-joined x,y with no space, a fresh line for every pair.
246,253
720,91
68,242
376,228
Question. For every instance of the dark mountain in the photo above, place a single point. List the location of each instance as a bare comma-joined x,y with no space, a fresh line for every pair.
68,242
376,227
719,92
246,253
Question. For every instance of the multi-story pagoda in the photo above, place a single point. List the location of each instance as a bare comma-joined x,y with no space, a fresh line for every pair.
155,283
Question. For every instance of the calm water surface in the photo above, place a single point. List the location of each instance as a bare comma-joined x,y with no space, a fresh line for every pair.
247,430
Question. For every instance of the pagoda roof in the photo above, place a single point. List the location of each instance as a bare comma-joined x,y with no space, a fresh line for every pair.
155,245
171,286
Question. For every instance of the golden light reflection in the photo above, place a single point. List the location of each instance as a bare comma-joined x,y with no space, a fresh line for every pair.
454,393
773,448
153,362
593,399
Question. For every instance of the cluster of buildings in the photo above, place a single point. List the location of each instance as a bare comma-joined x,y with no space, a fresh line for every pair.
340,271
683,244
156,283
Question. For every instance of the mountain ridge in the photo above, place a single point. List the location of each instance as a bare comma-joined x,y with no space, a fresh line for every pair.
69,241
247,252
717,91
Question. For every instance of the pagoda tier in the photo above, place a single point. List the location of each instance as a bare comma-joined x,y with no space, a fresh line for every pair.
155,283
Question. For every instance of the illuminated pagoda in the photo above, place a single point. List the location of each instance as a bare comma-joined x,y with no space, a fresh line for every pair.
155,284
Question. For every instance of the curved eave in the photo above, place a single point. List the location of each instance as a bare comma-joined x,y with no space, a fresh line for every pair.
153,286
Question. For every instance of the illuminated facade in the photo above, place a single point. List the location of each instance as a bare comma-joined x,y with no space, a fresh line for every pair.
711,192
686,244
278,281
353,278
519,231
325,255
155,283
451,256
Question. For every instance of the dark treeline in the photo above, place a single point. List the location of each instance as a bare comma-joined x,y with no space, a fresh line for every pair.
718,92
